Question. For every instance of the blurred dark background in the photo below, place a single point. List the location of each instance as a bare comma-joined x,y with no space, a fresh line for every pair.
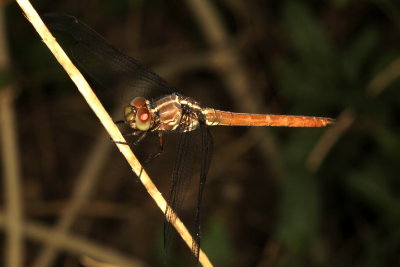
274,197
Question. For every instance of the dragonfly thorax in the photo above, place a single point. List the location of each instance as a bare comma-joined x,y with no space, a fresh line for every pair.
176,113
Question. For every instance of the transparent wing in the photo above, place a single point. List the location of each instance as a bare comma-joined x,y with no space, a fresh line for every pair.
105,63
206,156
182,172
189,146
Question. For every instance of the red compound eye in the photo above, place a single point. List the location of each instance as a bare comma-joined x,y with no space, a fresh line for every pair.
143,115
142,119
138,102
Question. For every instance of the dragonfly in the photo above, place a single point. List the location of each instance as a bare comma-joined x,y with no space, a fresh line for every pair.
157,107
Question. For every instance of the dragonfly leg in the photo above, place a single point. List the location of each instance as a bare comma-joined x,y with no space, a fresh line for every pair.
135,133
141,135
153,155
159,150
119,122
119,142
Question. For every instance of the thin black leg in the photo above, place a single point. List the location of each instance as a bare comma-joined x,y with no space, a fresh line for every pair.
141,135
158,152
153,155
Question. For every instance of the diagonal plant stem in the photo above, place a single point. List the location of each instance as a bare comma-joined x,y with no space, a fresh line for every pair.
105,119
11,176
72,243
11,165
348,115
328,140
82,191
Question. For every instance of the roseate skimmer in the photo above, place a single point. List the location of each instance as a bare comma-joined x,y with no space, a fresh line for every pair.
158,107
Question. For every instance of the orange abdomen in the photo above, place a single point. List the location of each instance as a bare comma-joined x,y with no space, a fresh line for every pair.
217,117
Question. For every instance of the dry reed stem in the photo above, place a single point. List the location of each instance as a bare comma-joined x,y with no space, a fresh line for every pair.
85,183
329,139
11,166
105,119
348,115
90,262
72,243
11,176
384,78
96,209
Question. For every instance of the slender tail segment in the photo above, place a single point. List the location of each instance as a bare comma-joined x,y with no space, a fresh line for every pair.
225,118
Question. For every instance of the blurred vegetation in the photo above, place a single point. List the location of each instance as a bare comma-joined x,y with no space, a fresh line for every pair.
301,57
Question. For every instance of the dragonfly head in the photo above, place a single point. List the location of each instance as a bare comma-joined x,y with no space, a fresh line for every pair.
137,114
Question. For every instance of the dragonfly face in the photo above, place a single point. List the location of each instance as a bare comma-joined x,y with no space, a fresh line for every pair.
137,114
